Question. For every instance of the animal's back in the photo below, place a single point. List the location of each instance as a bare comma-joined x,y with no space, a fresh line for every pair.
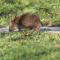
29,19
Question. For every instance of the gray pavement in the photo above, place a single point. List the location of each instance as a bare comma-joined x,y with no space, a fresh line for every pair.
43,29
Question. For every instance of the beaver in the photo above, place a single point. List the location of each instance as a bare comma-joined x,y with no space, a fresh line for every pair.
27,20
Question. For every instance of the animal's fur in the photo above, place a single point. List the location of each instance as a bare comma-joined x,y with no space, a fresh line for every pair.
26,20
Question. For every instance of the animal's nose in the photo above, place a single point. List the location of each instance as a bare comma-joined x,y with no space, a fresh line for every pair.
16,30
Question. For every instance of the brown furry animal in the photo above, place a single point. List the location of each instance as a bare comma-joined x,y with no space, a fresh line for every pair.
26,20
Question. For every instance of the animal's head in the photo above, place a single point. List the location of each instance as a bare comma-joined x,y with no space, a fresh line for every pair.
13,26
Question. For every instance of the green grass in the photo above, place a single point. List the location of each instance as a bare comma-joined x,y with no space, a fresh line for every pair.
46,9
35,46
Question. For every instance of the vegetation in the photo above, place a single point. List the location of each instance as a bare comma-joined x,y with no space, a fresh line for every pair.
35,45
47,10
